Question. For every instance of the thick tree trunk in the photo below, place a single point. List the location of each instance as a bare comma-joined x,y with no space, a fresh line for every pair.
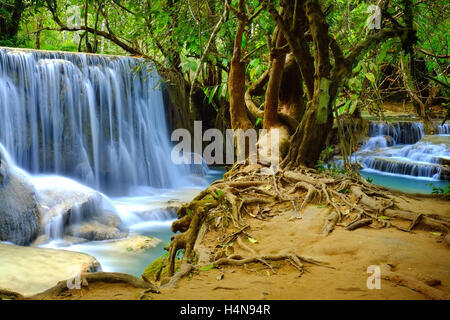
291,100
308,140
273,88
10,22
236,84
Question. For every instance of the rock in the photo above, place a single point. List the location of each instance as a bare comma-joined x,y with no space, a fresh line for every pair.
109,219
94,231
19,213
389,140
135,243
437,139
444,161
71,209
30,270
65,198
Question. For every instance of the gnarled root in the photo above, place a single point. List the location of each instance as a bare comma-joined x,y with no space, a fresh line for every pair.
191,217
256,190
294,259
413,284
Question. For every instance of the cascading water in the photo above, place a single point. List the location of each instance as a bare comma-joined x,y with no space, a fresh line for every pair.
98,119
400,132
444,128
101,121
403,149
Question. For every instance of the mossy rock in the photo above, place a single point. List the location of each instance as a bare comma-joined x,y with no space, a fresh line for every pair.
158,270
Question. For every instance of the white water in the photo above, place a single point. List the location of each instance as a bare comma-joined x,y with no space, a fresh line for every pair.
89,126
100,120
397,149
444,128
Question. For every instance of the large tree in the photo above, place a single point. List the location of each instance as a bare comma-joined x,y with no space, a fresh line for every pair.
305,54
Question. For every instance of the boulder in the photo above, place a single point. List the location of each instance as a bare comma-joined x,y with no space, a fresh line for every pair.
94,231
30,270
67,199
135,243
19,213
74,210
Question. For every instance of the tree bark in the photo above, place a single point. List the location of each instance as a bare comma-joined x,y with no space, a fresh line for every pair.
236,79
10,23
273,88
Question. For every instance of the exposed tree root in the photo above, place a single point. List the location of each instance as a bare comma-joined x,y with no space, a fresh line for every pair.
295,260
358,224
254,190
107,277
185,269
414,284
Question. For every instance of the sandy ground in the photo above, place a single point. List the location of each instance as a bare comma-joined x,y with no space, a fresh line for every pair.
421,254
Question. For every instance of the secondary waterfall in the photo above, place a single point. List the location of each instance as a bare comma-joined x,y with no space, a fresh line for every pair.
444,128
98,119
400,132
402,149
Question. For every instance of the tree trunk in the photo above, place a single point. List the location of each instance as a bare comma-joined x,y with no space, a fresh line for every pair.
273,88
10,22
236,84
236,81
308,140
291,100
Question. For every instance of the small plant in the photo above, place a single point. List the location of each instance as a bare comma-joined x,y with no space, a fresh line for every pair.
321,166
369,180
179,255
439,190
334,168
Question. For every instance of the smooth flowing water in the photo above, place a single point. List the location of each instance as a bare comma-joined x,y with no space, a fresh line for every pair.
400,156
90,133
156,225
98,119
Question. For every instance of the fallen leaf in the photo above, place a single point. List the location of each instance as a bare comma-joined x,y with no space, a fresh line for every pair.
252,240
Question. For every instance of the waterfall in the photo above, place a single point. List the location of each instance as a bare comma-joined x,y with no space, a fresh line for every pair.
401,132
98,119
444,128
401,148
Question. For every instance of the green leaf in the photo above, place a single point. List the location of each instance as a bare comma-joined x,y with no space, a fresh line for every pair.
252,240
371,77
207,268
384,218
258,121
129,249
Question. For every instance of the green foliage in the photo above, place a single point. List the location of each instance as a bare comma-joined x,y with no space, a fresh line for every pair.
439,190
334,168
